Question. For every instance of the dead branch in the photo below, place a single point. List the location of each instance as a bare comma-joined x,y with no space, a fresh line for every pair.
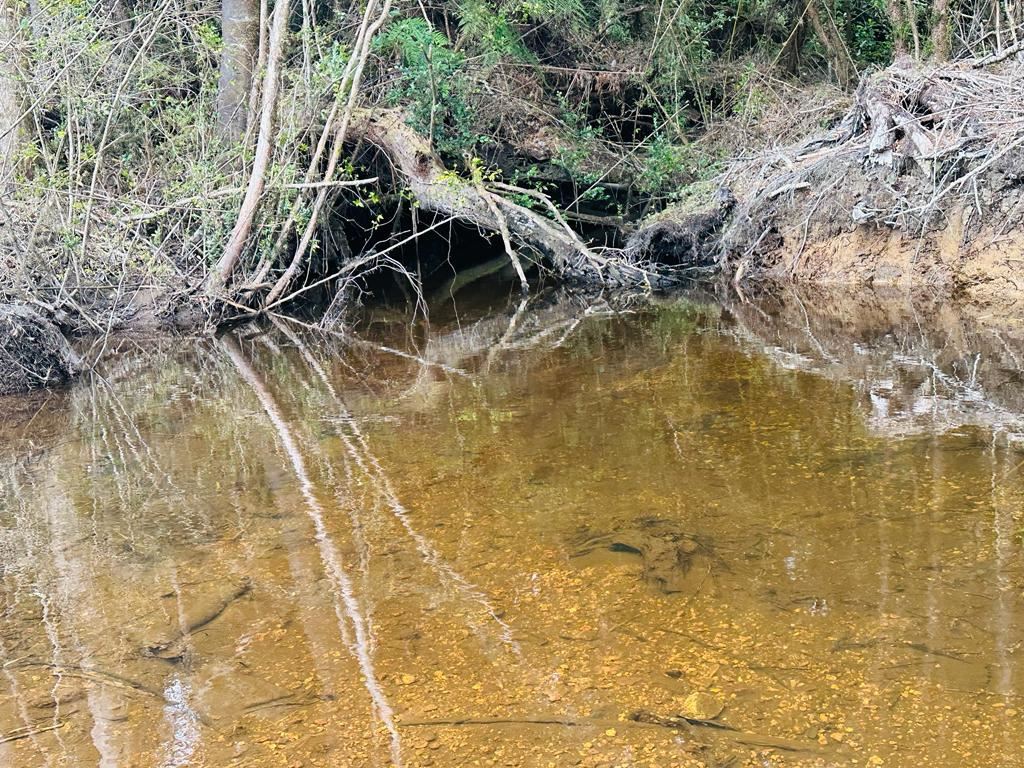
999,56
373,20
917,145
506,238
225,268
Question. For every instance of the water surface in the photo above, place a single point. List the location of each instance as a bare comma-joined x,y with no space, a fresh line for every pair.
552,533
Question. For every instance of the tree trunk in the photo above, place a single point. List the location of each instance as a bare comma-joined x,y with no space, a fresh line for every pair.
261,62
438,191
10,100
940,30
225,268
240,32
898,22
915,35
789,56
835,47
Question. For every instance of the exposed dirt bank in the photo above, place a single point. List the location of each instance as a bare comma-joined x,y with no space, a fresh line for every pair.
919,184
982,267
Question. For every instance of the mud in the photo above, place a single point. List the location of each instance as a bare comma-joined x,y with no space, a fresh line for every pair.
977,264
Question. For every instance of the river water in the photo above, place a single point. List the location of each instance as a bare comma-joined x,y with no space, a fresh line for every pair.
777,532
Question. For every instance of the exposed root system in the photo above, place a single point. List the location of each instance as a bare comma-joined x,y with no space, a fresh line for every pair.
528,235
33,352
919,183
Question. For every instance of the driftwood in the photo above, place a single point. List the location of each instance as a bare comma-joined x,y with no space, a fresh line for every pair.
998,56
895,132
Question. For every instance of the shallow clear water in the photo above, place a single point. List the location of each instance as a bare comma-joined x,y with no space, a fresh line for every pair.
524,535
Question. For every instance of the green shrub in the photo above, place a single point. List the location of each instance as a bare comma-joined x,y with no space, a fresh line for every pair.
432,83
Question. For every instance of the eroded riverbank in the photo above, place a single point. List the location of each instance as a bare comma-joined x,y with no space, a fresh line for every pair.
529,534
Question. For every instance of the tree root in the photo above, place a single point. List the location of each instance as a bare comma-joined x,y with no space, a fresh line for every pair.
919,148
33,353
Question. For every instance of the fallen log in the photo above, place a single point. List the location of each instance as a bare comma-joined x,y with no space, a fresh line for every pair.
436,189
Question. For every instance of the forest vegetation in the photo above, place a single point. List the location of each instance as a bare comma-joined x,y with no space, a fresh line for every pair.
192,161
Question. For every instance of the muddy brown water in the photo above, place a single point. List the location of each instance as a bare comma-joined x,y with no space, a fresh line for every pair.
547,534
